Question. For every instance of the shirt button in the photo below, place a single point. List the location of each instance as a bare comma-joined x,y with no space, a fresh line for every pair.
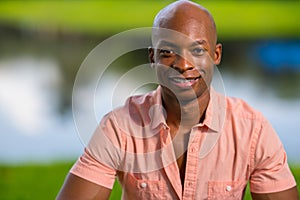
143,185
228,188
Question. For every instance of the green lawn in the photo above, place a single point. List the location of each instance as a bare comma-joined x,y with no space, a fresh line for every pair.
30,182
235,19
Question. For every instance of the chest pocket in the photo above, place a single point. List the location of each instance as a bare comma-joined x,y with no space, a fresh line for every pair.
136,188
229,190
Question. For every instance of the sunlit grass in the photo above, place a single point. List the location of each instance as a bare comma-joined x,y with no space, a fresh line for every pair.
235,19
30,182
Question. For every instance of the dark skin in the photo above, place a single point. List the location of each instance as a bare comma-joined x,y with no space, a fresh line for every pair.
76,188
193,56
173,58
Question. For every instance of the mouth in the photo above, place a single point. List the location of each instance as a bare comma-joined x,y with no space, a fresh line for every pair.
185,82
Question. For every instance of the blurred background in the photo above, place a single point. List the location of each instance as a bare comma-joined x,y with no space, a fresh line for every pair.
43,43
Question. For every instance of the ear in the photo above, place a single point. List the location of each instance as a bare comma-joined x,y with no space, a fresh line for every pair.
218,54
151,56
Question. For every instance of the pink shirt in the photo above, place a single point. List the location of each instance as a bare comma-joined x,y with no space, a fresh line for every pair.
234,145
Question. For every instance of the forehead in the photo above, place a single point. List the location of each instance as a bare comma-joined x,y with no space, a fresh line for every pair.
181,35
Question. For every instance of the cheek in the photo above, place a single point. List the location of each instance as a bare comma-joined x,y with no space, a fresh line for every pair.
206,64
206,68
165,61
161,71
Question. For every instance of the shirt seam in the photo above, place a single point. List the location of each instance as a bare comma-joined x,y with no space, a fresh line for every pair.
253,146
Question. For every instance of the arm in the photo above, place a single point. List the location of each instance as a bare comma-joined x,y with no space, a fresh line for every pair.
94,173
271,176
290,194
76,188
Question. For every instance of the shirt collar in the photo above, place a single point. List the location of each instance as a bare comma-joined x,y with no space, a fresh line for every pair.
214,117
157,112
215,112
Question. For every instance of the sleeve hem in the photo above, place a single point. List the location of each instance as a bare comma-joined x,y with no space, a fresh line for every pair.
271,187
107,184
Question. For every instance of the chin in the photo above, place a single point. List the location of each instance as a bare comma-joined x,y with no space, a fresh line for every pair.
184,95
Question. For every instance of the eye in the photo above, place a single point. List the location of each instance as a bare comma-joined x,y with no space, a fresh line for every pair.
198,51
166,52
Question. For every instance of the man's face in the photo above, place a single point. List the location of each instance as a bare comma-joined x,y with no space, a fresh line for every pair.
184,56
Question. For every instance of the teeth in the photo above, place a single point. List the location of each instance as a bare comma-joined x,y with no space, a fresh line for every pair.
182,80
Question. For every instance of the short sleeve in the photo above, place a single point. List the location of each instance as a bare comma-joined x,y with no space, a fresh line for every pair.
90,169
100,160
271,172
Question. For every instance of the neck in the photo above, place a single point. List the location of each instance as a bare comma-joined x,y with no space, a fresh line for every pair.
185,113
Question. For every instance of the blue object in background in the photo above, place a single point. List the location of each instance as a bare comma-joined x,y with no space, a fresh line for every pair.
279,56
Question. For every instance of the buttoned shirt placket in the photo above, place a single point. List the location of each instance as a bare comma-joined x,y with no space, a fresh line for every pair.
192,162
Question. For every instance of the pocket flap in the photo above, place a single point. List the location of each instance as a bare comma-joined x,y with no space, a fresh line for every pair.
226,189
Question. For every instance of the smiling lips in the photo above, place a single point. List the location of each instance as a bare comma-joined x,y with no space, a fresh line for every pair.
184,82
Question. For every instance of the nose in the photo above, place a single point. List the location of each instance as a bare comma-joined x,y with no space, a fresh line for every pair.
182,64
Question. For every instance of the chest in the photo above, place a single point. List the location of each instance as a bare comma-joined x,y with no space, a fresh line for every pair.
181,163
180,143
206,178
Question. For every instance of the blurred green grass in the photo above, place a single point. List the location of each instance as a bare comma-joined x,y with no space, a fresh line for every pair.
32,181
38,181
235,19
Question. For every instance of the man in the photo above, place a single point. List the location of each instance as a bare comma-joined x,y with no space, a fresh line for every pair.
184,140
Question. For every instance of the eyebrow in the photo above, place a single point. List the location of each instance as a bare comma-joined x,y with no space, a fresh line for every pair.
166,43
170,44
199,42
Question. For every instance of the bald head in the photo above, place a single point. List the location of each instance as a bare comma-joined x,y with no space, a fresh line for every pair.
178,14
184,43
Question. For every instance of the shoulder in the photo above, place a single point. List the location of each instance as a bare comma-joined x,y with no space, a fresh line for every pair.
143,100
246,120
136,110
240,108
137,103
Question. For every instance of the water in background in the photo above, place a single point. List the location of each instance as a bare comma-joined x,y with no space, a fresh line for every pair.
37,76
